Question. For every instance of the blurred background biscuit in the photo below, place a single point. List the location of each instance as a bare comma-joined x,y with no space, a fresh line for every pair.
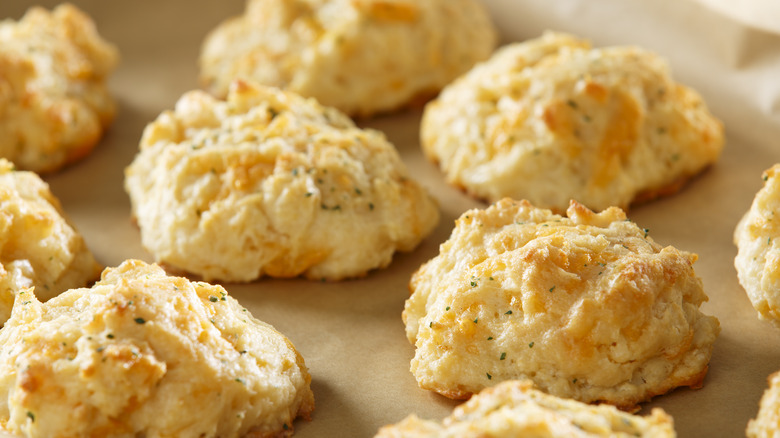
54,100
361,56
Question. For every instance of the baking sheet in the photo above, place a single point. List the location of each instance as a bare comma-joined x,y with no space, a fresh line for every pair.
350,333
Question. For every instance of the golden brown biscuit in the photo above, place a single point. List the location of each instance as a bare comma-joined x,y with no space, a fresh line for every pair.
144,354
361,56
39,247
767,421
514,409
54,102
551,120
270,183
587,306
757,237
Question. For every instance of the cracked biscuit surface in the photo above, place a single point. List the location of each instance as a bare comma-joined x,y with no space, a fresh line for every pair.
552,119
270,183
145,354
361,56
515,408
586,306
39,247
758,255
54,101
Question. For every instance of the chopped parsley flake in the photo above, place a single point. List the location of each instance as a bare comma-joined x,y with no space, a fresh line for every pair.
476,320
508,312
552,288
488,376
531,345
447,308
213,299
139,321
110,336
31,416
503,356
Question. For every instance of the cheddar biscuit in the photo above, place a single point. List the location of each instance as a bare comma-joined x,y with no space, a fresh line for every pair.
270,183
767,421
758,256
39,247
361,56
552,120
54,101
145,354
515,408
587,306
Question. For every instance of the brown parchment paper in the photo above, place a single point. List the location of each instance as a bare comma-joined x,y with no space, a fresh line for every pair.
350,333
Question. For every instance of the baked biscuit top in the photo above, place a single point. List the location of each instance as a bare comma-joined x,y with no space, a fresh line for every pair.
552,119
270,183
145,354
515,408
587,306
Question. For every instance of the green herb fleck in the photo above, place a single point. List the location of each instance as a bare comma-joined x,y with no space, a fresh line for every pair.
447,308
508,312
430,325
110,336
31,416
240,381
476,320
552,288
531,345
295,172
490,338
285,426
139,321
572,103
488,376
646,231
574,381
213,299
370,205
503,356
